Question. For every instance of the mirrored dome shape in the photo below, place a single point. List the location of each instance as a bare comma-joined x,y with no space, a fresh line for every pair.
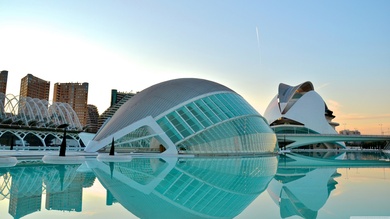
294,193
33,112
207,187
187,115
300,109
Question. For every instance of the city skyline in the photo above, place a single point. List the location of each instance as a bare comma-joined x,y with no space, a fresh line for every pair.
251,47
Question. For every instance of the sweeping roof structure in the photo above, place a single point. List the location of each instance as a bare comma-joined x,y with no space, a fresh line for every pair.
187,114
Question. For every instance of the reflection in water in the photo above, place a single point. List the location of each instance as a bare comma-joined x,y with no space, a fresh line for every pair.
25,184
304,181
186,188
212,187
302,191
147,187
350,155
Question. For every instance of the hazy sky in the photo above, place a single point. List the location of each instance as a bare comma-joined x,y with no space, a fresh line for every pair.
342,47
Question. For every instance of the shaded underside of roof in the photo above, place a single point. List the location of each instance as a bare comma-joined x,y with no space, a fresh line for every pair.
286,92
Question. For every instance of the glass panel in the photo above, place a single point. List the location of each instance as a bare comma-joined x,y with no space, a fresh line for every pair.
228,101
180,125
207,111
215,109
169,130
199,115
219,101
189,119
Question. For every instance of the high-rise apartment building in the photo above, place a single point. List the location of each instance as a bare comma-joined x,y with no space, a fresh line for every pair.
92,119
117,100
34,87
76,95
3,86
3,81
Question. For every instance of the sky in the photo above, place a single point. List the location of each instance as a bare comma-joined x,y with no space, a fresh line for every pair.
341,46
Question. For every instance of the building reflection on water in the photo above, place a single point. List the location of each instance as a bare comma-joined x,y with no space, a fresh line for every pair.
25,184
303,182
186,188
202,187
301,191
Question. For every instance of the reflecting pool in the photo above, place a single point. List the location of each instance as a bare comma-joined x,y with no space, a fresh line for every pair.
306,185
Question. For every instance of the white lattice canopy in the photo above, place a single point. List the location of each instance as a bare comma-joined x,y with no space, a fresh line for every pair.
33,112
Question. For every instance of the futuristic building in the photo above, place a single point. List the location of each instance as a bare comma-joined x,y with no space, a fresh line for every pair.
187,116
301,110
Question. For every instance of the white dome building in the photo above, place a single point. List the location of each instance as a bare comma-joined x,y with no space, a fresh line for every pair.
187,115
301,110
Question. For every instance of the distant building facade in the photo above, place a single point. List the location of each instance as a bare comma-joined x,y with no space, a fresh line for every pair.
349,132
34,87
3,81
76,95
3,86
92,118
117,100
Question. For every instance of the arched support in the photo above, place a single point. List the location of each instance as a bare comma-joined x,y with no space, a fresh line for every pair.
154,131
22,135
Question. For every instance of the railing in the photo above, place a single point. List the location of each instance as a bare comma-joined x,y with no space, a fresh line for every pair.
334,135
39,148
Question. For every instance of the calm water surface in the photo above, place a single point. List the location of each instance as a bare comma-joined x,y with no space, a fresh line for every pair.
307,185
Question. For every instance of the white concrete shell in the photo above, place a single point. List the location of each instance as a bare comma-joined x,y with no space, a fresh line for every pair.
300,106
308,108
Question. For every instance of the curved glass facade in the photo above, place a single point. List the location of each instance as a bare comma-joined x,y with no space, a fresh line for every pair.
215,124
245,135
219,123
189,115
203,113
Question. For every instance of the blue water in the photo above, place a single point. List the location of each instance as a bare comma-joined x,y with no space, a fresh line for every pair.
311,185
